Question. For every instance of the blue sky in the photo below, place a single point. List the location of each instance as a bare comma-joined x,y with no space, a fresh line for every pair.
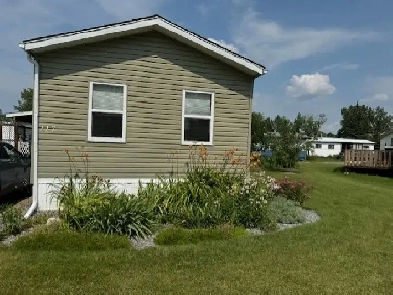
321,55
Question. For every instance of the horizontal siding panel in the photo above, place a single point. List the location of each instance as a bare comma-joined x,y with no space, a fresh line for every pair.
156,70
135,173
153,139
106,156
157,67
140,81
74,99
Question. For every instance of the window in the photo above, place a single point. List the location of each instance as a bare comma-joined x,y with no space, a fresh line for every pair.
366,147
107,112
197,125
318,146
331,146
391,141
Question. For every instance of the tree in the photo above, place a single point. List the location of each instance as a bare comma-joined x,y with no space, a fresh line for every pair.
364,122
329,134
285,143
309,125
355,122
25,103
289,138
260,125
380,122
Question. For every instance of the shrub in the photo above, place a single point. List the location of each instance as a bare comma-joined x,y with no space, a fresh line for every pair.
12,221
297,191
70,241
181,236
286,211
211,193
89,204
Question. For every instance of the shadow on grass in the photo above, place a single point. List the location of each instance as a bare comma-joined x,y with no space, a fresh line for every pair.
386,173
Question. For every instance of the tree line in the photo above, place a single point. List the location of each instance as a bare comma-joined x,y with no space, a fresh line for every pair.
287,138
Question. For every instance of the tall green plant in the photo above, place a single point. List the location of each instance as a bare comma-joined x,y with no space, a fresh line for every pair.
88,203
206,196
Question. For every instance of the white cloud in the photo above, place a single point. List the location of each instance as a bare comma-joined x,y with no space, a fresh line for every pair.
339,66
128,9
310,85
380,84
221,42
203,9
379,97
273,44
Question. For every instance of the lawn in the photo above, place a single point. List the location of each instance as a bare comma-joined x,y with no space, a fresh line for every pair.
349,251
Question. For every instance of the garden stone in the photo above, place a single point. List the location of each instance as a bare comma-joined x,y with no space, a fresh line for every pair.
52,220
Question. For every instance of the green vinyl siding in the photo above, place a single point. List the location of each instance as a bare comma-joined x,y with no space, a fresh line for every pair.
156,70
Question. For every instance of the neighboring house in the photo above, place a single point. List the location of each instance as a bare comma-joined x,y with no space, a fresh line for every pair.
386,142
130,93
20,123
330,146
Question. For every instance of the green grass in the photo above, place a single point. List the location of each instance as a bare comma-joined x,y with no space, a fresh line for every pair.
349,251
71,241
181,236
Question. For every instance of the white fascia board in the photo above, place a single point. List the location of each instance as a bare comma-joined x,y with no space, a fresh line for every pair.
143,24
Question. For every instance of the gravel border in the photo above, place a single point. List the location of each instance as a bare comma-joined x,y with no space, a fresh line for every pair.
311,216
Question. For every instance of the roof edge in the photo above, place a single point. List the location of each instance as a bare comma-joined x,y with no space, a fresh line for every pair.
56,41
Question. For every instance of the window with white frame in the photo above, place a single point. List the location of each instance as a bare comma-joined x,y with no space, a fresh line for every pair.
198,114
331,146
107,112
318,146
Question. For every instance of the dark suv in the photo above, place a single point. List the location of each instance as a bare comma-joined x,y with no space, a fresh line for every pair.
14,170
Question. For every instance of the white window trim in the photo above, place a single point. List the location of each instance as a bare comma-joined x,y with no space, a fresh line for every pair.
211,118
124,113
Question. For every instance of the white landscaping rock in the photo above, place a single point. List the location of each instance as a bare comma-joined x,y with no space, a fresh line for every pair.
52,220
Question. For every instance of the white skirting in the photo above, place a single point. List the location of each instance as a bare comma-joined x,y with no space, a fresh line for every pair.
46,185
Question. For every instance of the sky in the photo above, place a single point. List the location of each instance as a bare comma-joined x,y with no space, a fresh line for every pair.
320,55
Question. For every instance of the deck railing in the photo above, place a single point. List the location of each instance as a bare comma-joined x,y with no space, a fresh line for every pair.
368,159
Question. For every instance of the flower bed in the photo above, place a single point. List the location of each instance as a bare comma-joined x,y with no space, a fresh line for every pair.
212,192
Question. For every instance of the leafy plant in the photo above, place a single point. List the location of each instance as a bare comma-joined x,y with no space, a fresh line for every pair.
297,191
213,192
286,211
181,236
89,204
12,221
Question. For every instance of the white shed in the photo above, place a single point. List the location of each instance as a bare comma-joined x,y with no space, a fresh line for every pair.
330,146
386,142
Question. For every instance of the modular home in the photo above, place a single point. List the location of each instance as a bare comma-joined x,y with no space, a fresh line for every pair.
386,142
130,93
330,146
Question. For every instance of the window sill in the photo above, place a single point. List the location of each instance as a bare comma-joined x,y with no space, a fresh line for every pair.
106,140
196,143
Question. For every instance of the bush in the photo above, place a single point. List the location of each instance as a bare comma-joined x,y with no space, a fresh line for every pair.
88,204
286,211
70,241
297,191
180,236
12,221
211,193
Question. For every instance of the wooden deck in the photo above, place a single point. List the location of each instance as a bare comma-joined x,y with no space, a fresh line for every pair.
369,159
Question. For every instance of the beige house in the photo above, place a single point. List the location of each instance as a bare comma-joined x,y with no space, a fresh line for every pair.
130,93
